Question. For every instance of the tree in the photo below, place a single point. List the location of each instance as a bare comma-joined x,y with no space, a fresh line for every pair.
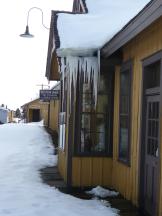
18,113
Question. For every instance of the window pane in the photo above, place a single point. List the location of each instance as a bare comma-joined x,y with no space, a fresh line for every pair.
124,106
106,83
92,132
125,89
124,83
87,88
102,103
92,122
153,75
123,150
85,122
100,123
87,98
86,105
92,142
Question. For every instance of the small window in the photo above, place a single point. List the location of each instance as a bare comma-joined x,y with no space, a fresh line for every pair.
124,113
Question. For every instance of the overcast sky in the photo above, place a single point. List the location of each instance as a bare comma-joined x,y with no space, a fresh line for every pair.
22,60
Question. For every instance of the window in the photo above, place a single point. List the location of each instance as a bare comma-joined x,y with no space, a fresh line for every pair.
64,95
153,75
94,125
124,113
63,109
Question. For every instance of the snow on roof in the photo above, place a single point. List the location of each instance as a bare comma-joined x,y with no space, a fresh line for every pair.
3,108
81,34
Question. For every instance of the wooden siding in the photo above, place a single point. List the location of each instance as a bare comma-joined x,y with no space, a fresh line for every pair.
126,179
44,112
91,171
11,115
62,164
29,115
53,120
54,75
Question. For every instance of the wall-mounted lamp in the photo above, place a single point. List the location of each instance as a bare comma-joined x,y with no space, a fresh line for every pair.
27,33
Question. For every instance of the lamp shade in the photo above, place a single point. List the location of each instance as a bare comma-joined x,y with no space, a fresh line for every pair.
27,33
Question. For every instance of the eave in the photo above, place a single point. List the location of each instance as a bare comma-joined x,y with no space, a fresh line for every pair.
53,38
52,66
145,18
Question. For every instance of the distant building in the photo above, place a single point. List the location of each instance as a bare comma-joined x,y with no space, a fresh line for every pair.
35,111
11,116
3,115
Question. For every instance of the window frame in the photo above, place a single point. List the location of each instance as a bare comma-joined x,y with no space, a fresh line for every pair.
109,146
126,66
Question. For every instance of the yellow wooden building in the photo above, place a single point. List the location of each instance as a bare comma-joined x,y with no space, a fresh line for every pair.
11,116
117,144
54,111
35,111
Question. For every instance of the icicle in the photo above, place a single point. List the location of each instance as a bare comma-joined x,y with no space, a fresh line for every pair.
62,71
93,74
73,66
86,67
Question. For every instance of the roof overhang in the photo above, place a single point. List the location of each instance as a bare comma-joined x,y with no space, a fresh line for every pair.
145,18
53,73
51,47
80,52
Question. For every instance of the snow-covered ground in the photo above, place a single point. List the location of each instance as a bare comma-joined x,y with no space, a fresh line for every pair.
26,148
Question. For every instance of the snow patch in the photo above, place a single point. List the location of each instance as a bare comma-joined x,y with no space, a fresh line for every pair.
102,192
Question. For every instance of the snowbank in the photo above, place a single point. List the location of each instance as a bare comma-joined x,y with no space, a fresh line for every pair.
25,149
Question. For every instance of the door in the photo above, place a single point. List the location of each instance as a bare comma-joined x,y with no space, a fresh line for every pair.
151,157
36,115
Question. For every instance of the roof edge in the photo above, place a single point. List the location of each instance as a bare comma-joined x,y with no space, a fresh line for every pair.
150,13
54,39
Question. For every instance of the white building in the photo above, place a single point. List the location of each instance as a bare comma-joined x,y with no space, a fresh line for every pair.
3,115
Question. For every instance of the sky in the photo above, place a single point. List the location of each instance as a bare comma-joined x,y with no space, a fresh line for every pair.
23,60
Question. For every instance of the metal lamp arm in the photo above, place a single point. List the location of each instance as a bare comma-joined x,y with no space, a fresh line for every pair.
41,13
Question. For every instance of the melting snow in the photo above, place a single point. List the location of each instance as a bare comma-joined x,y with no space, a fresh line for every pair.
102,192
26,148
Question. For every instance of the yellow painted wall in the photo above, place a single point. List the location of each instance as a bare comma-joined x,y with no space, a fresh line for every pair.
54,112
91,171
126,179
44,112
62,164
11,114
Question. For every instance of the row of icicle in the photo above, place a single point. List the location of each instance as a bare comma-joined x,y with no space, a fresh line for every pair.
86,67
